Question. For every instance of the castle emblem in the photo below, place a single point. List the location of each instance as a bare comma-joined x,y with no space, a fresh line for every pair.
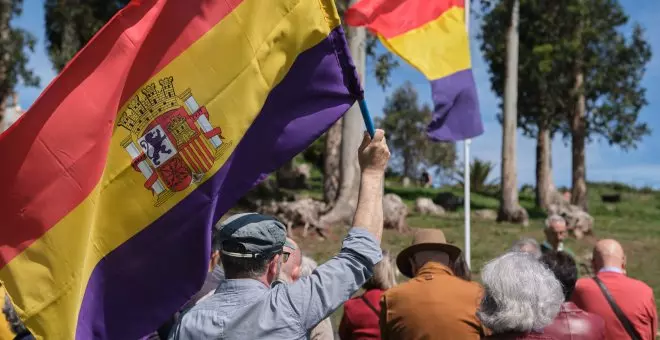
171,142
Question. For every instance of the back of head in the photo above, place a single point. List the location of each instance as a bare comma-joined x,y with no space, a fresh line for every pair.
521,294
249,243
564,268
608,253
527,245
384,274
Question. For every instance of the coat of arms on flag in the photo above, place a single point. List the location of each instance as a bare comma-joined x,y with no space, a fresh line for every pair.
171,141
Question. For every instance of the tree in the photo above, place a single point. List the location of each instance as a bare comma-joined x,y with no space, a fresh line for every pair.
542,91
406,123
607,94
71,23
480,171
510,209
14,45
341,151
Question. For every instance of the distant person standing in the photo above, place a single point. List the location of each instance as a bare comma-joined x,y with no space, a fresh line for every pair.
638,318
556,231
425,180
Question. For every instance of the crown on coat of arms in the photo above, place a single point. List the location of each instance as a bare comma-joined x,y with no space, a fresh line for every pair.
154,101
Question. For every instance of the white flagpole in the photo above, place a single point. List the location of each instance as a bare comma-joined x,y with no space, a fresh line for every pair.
466,160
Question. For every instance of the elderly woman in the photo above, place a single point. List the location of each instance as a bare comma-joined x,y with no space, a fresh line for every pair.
521,297
528,245
361,314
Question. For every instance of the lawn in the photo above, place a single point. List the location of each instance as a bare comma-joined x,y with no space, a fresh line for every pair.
635,222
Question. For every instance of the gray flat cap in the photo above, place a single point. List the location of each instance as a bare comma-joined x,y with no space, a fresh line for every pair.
252,236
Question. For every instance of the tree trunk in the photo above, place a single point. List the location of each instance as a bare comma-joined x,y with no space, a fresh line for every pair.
5,52
544,183
578,131
509,206
331,163
351,137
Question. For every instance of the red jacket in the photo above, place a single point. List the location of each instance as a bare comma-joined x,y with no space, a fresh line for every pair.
634,298
520,336
359,321
572,323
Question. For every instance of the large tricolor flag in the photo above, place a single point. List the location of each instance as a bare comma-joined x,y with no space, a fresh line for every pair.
113,178
431,36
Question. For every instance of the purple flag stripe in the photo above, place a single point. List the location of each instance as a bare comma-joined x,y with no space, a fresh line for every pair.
456,115
150,276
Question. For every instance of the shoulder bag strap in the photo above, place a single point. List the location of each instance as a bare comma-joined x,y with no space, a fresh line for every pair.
630,329
370,305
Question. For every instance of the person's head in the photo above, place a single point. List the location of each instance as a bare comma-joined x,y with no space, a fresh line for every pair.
461,268
527,245
520,294
292,261
556,231
252,247
428,245
608,253
384,276
564,268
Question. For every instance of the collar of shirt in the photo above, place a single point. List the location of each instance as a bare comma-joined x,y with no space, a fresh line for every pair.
240,285
611,270
433,268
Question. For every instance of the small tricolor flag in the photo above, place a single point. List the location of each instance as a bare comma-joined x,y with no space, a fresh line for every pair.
432,37
114,177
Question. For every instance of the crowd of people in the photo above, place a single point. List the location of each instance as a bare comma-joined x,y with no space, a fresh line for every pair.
261,286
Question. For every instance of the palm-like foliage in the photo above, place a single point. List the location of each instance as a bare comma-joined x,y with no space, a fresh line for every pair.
480,172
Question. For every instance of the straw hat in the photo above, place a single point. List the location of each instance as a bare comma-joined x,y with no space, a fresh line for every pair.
425,239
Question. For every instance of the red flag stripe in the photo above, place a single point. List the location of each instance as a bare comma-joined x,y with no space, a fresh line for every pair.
391,18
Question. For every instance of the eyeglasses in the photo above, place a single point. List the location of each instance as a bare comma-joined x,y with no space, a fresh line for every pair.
285,257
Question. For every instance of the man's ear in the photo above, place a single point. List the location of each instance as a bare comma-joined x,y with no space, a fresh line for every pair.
215,259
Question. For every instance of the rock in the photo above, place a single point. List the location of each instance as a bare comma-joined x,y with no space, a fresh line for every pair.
519,216
448,201
405,182
304,212
425,206
394,213
577,220
486,214
295,177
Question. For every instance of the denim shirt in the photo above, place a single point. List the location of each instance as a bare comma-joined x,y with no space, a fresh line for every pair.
247,309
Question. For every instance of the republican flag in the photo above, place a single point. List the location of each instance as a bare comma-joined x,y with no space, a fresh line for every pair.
114,177
431,36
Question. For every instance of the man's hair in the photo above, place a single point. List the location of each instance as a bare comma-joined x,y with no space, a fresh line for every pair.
14,321
554,218
527,241
216,245
520,294
307,266
564,268
245,268
384,276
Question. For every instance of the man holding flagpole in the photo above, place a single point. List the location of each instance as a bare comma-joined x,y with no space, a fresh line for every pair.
245,307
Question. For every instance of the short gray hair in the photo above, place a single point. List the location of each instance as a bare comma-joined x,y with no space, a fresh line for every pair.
554,218
307,266
520,245
521,294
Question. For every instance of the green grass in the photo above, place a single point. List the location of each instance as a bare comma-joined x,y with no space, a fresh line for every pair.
635,222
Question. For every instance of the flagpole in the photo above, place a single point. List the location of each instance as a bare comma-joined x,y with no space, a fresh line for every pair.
466,161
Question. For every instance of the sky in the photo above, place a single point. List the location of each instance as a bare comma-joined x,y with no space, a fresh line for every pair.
639,167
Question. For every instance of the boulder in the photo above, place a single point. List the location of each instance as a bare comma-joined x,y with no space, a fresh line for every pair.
405,182
486,214
304,212
295,177
394,213
448,201
579,222
425,206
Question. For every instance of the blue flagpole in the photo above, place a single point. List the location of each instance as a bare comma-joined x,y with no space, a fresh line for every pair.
368,122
